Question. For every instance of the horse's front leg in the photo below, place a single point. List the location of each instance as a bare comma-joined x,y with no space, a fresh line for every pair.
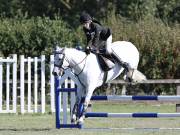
89,92
75,110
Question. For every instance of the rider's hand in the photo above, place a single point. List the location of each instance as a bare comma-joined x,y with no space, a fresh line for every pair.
87,50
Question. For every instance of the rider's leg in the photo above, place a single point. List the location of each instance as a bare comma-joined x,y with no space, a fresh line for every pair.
108,45
126,66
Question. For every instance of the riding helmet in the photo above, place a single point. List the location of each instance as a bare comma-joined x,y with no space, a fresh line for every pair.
85,17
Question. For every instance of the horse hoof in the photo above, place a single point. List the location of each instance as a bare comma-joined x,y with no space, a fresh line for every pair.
81,120
73,119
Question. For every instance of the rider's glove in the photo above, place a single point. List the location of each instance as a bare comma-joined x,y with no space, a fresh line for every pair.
87,50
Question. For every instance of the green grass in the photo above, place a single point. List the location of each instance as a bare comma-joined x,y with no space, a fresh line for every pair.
38,124
134,107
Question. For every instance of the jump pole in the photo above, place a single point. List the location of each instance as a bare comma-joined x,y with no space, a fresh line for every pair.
135,98
59,90
132,115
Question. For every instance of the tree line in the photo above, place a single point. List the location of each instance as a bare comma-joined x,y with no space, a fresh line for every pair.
34,27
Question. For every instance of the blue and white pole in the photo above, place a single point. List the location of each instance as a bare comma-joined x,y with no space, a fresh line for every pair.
135,98
57,102
132,115
59,90
58,106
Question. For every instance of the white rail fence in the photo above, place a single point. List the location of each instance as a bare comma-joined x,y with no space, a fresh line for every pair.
23,84
9,62
27,87
25,66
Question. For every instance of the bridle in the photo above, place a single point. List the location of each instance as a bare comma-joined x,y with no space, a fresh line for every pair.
59,65
69,67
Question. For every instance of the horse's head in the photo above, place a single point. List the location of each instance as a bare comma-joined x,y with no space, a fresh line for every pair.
60,61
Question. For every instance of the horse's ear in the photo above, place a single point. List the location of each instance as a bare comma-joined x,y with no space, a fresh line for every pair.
57,48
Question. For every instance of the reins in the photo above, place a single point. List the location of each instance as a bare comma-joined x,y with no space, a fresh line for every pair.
72,67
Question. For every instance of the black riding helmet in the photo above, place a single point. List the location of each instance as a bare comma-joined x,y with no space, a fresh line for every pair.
85,17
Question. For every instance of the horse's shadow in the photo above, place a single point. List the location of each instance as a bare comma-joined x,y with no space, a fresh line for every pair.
25,129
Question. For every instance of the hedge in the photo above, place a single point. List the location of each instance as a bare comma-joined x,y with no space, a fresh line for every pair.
33,37
158,43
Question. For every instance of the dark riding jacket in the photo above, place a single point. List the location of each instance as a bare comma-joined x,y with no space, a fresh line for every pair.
97,35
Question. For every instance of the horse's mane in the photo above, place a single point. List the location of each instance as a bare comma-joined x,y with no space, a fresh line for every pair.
74,52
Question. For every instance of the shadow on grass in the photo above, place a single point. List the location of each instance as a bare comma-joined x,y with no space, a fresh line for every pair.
25,129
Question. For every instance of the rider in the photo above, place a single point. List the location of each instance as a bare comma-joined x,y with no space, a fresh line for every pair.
100,38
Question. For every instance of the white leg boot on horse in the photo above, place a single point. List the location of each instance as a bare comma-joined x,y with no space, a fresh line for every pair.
89,91
75,111
82,117
132,75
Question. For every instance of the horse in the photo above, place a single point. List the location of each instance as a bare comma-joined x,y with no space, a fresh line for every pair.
89,72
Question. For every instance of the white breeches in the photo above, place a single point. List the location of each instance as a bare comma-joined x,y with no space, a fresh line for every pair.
108,45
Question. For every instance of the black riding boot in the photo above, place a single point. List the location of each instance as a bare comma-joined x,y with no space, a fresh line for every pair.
125,65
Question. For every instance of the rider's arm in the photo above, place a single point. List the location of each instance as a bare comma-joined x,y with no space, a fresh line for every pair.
88,38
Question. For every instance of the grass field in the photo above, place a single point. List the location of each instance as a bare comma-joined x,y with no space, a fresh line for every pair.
37,124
